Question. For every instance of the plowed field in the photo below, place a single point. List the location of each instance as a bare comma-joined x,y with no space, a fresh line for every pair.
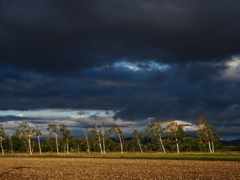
104,169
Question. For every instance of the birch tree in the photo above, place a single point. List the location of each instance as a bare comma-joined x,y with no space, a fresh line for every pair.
138,136
120,136
155,130
96,134
54,131
38,133
11,144
78,148
66,135
175,132
104,136
85,131
214,137
27,133
2,136
206,133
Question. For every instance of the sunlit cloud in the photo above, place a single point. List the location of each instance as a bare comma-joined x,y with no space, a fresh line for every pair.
232,73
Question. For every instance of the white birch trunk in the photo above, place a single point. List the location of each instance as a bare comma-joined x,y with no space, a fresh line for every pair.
120,139
78,149
213,150
67,148
103,138
209,145
10,139
99,138
2,147
104,148
56,142
29,144
39,145
100,144
160,139
139,144
88,148
177,146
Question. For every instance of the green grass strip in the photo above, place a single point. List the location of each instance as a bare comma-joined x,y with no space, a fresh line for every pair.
184,156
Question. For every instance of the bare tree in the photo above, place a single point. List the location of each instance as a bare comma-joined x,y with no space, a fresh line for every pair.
66,135
54,132
27,133
85,131
2,136
155,130
120,136
138,136
38,133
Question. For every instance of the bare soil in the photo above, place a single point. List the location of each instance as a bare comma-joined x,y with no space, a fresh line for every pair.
104,169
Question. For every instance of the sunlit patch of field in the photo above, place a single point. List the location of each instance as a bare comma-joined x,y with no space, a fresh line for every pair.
90,168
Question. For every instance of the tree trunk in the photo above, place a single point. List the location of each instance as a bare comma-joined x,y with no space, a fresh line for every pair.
2,147
10,140
29,144
100,144
120,139
39,145
140,147
177,146
160,139
78,149
104,148
56,143
88,148
67,148
139,144
213,147
103,138
209,145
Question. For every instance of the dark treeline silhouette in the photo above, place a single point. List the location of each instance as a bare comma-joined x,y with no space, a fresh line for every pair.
167,136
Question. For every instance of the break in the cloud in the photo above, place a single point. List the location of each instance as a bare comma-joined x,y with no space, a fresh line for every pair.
140,59
73,119
232,73
76,121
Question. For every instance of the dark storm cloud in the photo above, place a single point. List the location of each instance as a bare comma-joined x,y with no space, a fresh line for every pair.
62,37
178,92
63,55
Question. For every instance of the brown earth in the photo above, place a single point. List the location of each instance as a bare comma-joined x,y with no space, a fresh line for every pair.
104,169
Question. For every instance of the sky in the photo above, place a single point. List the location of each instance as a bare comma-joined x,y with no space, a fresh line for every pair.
122,62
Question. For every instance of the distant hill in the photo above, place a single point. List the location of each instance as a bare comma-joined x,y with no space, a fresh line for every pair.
231,143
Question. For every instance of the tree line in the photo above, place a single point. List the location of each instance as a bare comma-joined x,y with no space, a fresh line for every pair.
166,136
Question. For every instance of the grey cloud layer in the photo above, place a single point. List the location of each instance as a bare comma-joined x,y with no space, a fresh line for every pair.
175,92
62,54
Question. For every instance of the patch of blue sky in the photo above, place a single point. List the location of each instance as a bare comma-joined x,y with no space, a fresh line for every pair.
135,66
